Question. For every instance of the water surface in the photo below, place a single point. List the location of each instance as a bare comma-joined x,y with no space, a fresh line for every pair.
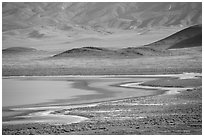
31,98
24,92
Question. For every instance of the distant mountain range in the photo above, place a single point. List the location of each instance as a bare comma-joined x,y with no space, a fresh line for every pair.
65,16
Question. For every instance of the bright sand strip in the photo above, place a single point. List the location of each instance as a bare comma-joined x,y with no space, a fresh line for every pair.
47,115
169,90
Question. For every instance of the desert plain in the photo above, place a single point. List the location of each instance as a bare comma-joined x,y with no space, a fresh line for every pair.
124,79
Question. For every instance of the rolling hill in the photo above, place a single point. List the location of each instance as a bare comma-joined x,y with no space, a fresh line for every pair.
130,52
15,50
189,37
95,52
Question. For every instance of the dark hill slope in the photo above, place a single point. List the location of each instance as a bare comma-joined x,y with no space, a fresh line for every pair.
14,50
191,42
107,53
88,52
142,51
189,37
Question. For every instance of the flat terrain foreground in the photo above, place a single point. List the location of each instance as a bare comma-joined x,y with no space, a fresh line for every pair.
179,113
100,66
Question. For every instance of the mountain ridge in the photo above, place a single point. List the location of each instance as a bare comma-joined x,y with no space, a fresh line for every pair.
100,15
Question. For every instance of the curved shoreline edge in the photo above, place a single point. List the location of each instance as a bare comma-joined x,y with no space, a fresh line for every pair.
78,119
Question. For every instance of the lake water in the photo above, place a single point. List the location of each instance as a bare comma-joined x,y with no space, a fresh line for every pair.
27,91
33,99
24,92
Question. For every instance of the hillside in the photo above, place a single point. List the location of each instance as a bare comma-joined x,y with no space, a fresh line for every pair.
14,50
86,51
62,26
65,16
96,52
189,37
190,42
108,53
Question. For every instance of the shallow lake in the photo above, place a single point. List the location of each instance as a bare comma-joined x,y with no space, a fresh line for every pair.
23,92
42,95
32,91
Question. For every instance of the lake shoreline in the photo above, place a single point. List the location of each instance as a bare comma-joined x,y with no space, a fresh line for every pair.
24,110
95,104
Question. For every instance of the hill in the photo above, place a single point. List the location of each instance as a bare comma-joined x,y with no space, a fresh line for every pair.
108,53
188,37
187,43
14,50
89,52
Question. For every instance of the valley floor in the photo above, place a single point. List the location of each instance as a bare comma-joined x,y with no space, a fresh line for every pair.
24,65
160,114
